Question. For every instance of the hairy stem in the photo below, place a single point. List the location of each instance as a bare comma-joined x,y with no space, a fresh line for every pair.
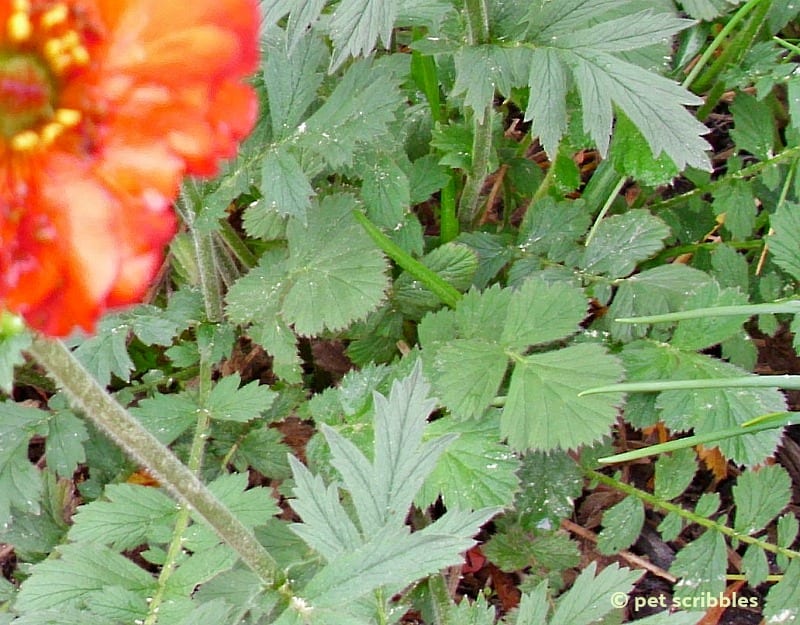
86,394
477,14
688,515
204,252
194,463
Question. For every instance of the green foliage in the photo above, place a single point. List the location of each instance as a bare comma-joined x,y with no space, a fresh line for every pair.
396,207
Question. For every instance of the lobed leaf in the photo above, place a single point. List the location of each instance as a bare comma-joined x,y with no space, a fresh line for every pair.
543,410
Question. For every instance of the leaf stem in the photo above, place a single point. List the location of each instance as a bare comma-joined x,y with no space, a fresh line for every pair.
718,40
204,252
194,463
786,155
87,395
477,13
432,281
606,207
687,514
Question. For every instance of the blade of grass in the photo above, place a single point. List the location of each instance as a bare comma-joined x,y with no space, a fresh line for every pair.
765,422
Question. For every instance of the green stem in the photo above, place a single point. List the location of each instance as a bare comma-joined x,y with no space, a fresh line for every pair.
606,207
786,381
448,215
236,245
440,599
477,14
89,397
205,255
786,155
687,514
431,280
194,463
718,40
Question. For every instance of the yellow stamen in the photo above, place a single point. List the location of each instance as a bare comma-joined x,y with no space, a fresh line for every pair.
25,141
19,26
55,16
68,117
80,55
52,48
51,132
60,62
70,39
21,6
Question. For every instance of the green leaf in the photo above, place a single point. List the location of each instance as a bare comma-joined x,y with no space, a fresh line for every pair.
734,202
131,516
394,558
783,599
166,416
548,19
788,527
20,481
326,527
622,241
633,31
468,612
277,338
475,471
701,566
454,262
651,292
252,506
106,353
696,334
760,496
82,569
480,71
674,473
358,112
548,115
587,601
622,524
356,26
513,550
543,410
632,156
753,126
263,450
336,274
383,552
11,348
651,102
566,40
467,374
552,228
783,243
549,486
292,75
66,434
383,491
228,402
286,187
755,565
705,410
533,606
386,189
706,9
540,313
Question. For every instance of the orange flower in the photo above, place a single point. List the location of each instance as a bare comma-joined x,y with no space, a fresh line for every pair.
104,106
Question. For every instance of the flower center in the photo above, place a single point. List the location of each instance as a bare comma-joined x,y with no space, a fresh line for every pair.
26,94
42,45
